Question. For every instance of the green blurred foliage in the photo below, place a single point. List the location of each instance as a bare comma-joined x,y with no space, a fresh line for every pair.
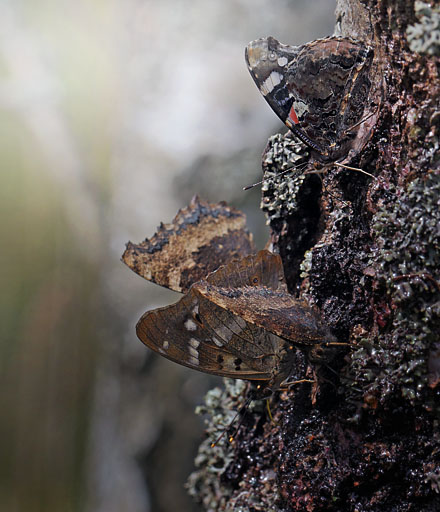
48,336
49,259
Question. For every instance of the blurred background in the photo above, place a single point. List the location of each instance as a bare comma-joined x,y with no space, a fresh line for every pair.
113,113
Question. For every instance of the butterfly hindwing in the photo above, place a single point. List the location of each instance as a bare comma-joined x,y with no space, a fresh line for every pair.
254,290
195,333
276,311
318,90
263,268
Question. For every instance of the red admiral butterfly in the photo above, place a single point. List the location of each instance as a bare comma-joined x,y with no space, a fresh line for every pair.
318,89
240,321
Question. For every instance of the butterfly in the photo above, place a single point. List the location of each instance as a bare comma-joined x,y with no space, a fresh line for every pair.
240,322
200,238
319,89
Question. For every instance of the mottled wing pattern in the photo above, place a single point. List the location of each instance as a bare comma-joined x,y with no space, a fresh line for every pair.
276,311
236,323
318,90
254,290
333,72
200,238
198,334
263,268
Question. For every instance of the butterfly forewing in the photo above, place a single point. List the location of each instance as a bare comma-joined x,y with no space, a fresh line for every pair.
240,322
181,253
267,60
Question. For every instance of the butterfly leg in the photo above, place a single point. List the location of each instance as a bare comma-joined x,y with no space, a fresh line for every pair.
371,114
287,385
269,412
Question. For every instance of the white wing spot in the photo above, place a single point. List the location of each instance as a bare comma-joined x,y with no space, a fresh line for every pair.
166,345
282,61
271,82
217,342
224,333
190,325
300,108
194,352
194,343
193,360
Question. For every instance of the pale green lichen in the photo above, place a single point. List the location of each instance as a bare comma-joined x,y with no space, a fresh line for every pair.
306,265
284,163
211,484
407,262
424,36
204,484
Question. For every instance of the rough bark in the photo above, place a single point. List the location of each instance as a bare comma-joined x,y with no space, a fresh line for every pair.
366,252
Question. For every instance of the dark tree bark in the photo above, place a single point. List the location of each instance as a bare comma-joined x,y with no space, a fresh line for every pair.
366,252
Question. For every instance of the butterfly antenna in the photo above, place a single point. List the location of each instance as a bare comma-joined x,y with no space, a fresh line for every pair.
248,187
341,344
237,428
225,430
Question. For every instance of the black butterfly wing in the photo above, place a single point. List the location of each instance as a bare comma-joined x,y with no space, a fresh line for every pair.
332,74
267,61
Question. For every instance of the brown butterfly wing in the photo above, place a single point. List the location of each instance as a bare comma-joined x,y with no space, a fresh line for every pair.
277,312
263,268
235,323
254,290
181,253
196,333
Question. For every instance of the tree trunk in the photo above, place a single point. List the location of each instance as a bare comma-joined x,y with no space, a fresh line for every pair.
366,252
